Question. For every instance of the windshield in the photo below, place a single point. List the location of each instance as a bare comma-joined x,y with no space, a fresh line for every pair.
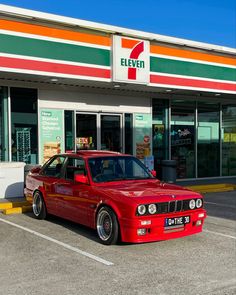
104,169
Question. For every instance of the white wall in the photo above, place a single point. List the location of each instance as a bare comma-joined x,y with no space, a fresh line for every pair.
75,100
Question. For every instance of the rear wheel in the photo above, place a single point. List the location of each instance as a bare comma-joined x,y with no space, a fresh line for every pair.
39,207
107,226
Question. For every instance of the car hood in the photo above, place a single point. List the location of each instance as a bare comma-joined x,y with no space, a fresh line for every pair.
147,191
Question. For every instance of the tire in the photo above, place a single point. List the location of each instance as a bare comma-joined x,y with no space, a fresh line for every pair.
39,207
107,226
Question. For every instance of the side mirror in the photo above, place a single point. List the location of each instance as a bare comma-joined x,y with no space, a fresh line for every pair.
81,178
35,170
154,173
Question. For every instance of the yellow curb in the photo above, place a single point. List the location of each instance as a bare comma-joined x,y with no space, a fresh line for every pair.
10,205
212,188
17,210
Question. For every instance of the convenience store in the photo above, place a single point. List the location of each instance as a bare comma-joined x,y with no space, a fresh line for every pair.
69,84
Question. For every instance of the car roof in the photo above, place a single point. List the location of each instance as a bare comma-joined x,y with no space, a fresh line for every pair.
94,153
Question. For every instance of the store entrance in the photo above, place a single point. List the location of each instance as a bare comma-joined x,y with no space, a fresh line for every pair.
86,132
111,132
99,131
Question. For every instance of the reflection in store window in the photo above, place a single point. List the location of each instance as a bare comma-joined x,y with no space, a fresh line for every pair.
229,140
24,126
160,133
183,137
4,137
208,139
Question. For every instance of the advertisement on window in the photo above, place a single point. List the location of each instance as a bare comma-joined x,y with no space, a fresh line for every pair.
51,133
142,138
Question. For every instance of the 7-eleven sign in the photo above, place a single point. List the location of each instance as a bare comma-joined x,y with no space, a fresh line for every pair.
131,60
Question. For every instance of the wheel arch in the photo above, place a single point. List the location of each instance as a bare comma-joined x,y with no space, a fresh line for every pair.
108,205
114,209
41,191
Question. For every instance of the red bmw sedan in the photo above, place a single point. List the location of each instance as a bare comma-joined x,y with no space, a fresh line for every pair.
116,195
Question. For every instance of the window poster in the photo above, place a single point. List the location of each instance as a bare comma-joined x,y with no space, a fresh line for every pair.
142,136
51,133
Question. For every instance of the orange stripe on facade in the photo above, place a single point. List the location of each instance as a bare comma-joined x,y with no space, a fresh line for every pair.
54,33
128,43
192,55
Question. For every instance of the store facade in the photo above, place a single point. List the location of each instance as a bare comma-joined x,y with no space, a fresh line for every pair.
67,84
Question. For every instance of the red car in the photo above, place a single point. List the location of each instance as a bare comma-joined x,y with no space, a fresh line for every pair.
115,194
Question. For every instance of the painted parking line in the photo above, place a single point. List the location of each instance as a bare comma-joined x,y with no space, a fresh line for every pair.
219,234
221,205
74,249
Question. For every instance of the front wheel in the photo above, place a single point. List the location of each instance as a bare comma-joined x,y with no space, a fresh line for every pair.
39,207
107,226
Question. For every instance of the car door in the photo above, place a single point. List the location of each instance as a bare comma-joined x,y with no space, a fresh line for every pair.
50,175
73,197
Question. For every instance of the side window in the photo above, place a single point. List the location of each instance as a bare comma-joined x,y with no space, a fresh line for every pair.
54,167
75,166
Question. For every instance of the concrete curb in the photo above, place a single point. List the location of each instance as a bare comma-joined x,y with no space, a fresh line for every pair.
14,207
212,188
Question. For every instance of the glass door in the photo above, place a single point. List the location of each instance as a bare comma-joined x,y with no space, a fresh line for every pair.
86,131
99,132
111,135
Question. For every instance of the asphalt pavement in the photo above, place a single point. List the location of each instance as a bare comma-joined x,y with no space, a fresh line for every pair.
55,256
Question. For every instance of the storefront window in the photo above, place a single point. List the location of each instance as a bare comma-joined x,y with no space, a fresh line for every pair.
24,125
228,140
208,140
160,132
69,131
183,137
4,140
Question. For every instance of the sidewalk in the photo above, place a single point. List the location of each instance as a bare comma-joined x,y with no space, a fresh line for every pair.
221,184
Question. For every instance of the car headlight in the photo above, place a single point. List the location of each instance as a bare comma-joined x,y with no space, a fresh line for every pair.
192,204
152,208
199,203
141,209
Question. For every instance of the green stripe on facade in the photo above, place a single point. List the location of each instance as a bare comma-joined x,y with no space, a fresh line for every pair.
177,67
54,50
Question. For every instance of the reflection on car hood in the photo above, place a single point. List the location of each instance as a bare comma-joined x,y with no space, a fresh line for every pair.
148,190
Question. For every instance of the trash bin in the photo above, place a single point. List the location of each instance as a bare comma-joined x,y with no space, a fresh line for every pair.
168,171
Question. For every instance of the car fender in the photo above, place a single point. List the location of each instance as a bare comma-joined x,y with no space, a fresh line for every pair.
111,205
42,191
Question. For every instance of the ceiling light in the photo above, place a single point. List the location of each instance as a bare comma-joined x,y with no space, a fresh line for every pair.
53,79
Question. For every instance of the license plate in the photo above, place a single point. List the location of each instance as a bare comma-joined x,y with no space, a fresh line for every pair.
177,221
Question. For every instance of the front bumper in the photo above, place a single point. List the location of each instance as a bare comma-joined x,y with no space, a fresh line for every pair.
156,231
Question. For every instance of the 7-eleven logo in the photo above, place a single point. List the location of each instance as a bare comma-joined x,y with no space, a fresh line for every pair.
131,60
136,47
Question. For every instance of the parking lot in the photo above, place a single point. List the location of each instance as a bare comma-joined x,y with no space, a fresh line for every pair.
55,256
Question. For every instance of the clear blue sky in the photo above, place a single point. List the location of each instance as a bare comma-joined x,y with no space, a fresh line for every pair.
210,21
